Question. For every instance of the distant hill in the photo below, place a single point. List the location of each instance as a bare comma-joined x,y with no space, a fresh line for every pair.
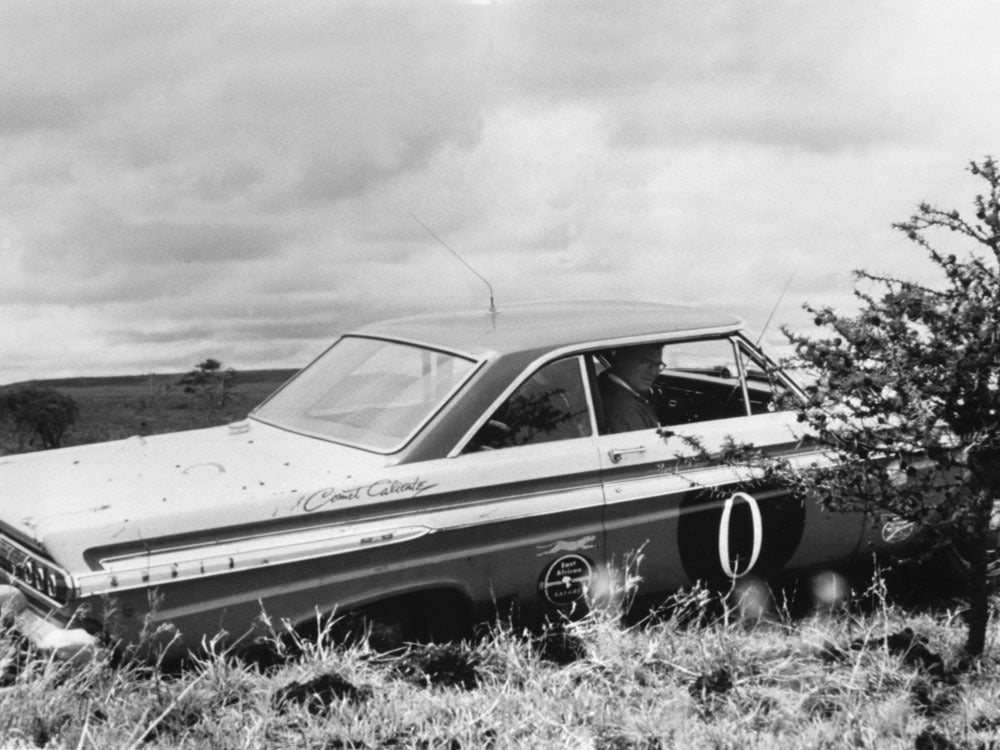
242,376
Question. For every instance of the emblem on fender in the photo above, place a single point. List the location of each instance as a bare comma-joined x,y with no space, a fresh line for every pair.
566,580
897,530
574,545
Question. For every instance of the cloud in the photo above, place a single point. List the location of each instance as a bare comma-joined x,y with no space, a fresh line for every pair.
691,73
132,336
98,255
182,176
70,65
97,236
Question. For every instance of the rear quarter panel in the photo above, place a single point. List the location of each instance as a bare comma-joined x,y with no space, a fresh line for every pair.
489,526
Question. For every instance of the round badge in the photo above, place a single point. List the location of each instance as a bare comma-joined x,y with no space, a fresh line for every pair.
566,580
896,530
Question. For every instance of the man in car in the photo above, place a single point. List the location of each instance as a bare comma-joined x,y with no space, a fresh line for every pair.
625,386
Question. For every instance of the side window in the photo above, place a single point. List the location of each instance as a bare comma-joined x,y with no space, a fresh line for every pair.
550,405
700,382
642,386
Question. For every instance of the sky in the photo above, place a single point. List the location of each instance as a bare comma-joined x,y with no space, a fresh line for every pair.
247,181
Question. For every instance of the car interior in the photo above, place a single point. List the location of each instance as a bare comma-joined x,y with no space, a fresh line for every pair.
685,394
696,387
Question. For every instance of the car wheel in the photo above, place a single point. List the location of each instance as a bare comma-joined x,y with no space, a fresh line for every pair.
384,627
389,628
434,616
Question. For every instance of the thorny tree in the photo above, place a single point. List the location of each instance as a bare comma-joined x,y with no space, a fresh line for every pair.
210,381
909,387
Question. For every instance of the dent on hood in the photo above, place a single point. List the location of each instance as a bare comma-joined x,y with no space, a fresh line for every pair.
219,468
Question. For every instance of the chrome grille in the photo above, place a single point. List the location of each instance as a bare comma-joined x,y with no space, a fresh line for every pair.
30,570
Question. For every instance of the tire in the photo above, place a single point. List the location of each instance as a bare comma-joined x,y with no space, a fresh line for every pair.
436,616
390,628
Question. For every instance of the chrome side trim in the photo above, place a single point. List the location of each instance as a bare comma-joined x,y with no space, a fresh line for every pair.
179,563
138,570
644,486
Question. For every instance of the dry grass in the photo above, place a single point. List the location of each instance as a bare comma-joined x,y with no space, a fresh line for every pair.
819,682
153,406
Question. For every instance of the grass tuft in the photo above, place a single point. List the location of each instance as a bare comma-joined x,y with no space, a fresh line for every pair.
694,676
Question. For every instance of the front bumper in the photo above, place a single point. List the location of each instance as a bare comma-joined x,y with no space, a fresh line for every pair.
41,632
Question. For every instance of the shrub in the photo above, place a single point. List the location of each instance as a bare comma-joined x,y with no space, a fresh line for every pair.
908,391
210,381
36,417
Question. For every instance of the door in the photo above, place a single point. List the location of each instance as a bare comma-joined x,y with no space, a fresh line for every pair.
675,513
535,534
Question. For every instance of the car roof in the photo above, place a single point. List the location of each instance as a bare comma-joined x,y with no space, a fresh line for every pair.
549,325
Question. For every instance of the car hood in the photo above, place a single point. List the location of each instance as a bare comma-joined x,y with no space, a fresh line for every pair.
141,488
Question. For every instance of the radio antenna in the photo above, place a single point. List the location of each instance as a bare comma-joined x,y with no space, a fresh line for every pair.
493,307
776,304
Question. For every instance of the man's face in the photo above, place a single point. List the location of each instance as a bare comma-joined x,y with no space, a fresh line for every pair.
639,366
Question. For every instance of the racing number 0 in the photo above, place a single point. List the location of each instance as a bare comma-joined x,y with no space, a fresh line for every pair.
729,566
724,537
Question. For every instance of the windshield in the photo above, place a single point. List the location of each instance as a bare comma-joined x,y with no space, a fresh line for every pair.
369,393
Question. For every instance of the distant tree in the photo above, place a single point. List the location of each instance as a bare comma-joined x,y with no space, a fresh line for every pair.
203,372
211,381
37,417
909,389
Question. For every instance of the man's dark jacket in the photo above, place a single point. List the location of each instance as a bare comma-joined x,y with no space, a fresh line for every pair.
624,409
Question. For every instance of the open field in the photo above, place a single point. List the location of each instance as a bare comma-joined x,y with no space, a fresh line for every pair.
119,407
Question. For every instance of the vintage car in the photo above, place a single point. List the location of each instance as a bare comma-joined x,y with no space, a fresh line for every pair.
429,471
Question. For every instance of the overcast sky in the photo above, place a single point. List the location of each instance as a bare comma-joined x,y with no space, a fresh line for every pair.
183,180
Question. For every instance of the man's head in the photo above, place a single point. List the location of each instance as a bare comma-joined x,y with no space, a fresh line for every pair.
638,365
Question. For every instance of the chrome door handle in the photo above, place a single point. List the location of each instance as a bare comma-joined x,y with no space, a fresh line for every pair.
617,453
